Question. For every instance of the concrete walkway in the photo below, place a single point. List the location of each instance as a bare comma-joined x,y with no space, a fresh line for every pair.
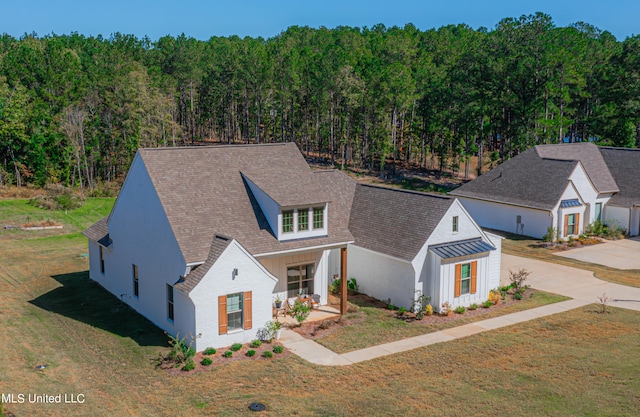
619,254
579,284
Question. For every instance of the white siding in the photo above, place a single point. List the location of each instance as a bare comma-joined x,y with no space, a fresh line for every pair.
381,276
635,222
443,233
446,282
503,217
619,216
142,236
267,204
219,280
495,258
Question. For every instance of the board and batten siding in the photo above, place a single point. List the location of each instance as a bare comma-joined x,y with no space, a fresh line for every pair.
278,267
446,277
221,281
142,235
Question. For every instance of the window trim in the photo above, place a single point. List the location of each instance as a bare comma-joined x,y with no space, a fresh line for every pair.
454,224
473,283
136,281
170,304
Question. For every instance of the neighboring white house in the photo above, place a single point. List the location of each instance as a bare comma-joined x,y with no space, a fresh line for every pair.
566,186
201,240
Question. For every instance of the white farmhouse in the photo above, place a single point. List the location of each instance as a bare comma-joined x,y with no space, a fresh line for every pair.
201,240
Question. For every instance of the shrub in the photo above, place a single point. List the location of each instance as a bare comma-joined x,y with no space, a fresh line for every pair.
473,306
189,365
278,349
460,310
401,311
603,302
518,280
300,311
487,304
206,361
419,302
209,351
428,310
256,343
251,353
495,297
227,354
517,295
236,347
181,351
445,309
267,354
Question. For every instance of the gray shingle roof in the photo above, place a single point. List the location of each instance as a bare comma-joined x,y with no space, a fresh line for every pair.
525,180
203,193
624,164
99,232
218,245
393,221
590,157
461,248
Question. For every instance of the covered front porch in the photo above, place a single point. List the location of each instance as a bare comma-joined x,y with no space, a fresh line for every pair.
308,273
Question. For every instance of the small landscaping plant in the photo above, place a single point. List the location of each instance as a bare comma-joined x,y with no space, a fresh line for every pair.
206,361
445,309
209,351
251,352
487,304
495,297
473,306
256,343
267,354
189,365
460,310
428,310
236,347
603,302
227,354
181,350
300,311
278,349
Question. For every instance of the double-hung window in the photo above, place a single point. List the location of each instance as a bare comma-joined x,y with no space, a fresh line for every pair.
303,219
318,217
169,302
466,278
571,224
454,224
287,221
234,312
136,287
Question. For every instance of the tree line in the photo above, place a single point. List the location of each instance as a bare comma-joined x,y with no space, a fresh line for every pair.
74,109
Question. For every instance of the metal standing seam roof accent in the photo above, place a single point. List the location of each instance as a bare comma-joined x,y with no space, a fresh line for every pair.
461,248
570,203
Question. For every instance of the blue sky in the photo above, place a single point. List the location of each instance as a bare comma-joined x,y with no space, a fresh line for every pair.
202,19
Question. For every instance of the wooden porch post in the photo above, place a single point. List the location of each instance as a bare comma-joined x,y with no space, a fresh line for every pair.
343,281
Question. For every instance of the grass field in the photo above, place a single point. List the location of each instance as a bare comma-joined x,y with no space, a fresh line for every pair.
575,364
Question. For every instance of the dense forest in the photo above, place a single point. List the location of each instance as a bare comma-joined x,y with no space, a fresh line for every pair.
74,109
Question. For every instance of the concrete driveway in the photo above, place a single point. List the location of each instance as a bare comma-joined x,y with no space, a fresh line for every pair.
619,254
572,282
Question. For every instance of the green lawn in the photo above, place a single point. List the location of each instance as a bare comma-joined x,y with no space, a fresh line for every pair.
578,363
374,325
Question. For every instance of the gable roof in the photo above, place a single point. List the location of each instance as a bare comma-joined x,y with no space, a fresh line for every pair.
393,221
590,157
218,245
623,164
202,192
526,180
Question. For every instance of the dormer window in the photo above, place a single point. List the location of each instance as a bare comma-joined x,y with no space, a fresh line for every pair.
287,221
303,220
318,217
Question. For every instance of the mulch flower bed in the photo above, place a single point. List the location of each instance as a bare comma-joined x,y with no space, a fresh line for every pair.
317,330
218,359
